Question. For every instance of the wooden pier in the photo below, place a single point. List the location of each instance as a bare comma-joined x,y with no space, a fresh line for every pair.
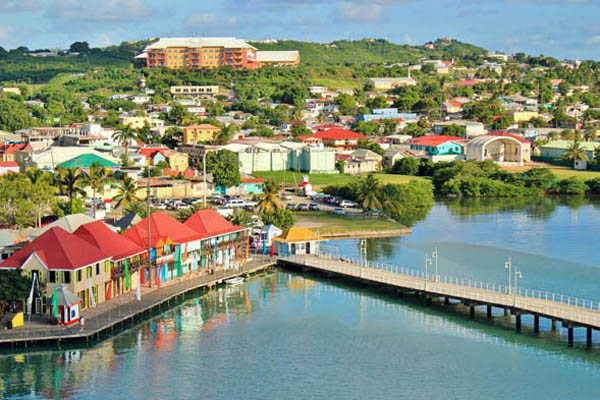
570,311
119,314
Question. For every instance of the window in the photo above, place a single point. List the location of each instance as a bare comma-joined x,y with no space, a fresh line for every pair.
52,277
97,268
67,277
106,266
89,272
78,275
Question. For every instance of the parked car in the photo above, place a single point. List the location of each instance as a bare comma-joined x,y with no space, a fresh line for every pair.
347,203
302,207
188,200
338,211
285,196
161,206
235,203
313,207
373,213
290,206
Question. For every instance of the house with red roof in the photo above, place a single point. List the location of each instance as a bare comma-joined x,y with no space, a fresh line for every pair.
8,167
337,138
7,151
451,107
439,147
58,257
127,258
501,147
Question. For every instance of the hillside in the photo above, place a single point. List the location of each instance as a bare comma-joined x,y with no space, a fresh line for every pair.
370,51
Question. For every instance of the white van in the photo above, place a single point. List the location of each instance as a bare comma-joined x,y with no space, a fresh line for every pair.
235,203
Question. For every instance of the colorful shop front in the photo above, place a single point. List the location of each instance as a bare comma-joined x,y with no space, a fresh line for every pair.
59,258
174,247
222,245
127,257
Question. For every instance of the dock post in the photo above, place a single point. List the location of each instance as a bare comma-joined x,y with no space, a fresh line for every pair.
505,312
570,330
518,322
446,301
536,323
553,324
471,311
489,311
589,337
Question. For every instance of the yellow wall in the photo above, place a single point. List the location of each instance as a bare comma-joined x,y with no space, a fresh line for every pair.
193,136
134,122
178,162
522,116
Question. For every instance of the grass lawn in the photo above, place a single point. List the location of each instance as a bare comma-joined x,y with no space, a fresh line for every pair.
328,223
294,178
560,171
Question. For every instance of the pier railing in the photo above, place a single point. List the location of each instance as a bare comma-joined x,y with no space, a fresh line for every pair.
543,302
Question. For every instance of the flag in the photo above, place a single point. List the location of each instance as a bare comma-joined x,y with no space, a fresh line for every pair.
30,298
55,304
92,299
126,274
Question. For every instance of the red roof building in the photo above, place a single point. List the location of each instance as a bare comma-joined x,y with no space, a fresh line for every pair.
7,151
150,152
506,134
338,138
101,236
164,230
208,223
57,250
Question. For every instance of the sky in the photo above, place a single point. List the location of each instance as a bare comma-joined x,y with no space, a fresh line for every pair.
558,28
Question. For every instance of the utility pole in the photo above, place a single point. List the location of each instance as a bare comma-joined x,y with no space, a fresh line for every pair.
149,234
204,174
508,266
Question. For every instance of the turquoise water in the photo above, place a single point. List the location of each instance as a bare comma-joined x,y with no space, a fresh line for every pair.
290,336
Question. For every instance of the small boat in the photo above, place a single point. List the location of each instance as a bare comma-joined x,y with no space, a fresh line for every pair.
234,281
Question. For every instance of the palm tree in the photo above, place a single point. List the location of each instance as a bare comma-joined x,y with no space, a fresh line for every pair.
96,179
389,199
71,182
240,218
125,136
34,174
367,193
575,152
185,213
126,192
269,201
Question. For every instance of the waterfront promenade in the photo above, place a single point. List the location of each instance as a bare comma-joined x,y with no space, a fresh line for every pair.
570,311
125,309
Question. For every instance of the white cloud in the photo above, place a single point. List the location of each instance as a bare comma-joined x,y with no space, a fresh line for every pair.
352,11
594,39
210,19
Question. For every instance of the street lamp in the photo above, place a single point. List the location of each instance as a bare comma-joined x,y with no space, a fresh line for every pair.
435,256
508,265
427,262
518,275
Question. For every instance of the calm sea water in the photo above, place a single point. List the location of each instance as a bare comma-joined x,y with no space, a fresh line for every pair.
290,336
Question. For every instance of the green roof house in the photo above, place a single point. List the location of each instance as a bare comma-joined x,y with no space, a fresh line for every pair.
85,161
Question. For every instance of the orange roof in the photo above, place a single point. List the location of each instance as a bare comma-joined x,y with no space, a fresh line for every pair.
434,140
297,234
502,133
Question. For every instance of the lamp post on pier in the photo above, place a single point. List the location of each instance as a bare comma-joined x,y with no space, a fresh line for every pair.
435,256
508,265
428,261
518,276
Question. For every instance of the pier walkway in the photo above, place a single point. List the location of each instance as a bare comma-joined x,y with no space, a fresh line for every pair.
570,311
126,309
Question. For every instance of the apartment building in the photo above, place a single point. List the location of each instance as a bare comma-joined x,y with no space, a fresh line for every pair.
197,53
194,91
200,133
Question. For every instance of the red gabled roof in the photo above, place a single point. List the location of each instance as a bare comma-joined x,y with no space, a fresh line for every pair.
58,250
502,133
117,246
11,147
434,140
209,223
252,180
6,164
337,134
455,103
325,126
162,228
470,82
150,152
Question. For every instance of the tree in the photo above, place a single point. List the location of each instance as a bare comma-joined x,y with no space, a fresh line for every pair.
269,201
185,213
224,167
367,193
178,114
41,195
240,218
575,152
406,166
14,115
377,102
71,183
369,145
138,207
427,68
126,192
96,179
346,104
13,286
388,195
455,130
283,219
124,136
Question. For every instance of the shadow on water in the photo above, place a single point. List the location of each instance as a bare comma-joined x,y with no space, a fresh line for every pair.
455,318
